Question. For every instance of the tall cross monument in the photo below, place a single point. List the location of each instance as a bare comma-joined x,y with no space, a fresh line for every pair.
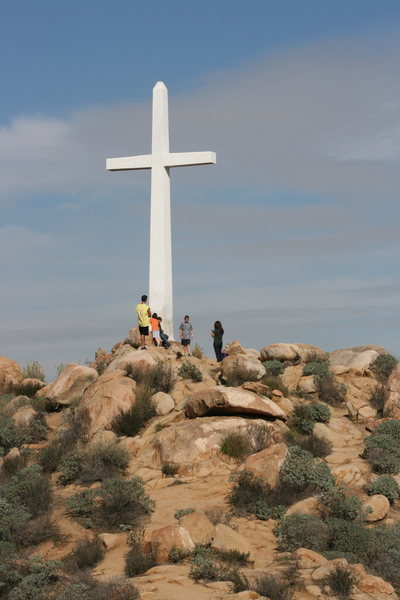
160,161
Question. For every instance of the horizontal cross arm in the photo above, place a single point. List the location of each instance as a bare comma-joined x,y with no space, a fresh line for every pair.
187,159
143,161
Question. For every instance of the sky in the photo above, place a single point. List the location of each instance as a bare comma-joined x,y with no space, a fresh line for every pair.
293,236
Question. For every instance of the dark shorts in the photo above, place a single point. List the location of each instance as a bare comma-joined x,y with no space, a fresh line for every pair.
185,342
144,330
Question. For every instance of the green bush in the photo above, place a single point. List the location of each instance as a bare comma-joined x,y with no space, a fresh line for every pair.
197,351
104,460
382,447
306,415
264,511
319,447
246,492
239,375
182,512
204,565
84,587
347,536
129,423
190,371
11,436
385,485
71,466
86,554
236,445
28,579
318,366
302,531
390,427
159,378
274,367
50,456
338,505
124,501
300,470
233,557
82,504
138,561
30,488
177,555
274,382
341,581
13,520
273,587
329,391
377,399
383,365
169,469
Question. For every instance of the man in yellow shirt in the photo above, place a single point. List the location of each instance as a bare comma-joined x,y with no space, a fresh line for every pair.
143,314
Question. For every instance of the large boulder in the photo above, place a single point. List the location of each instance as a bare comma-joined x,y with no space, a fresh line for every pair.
199,526
193,445
164,403
226,538
267,463
133,338
141,359
376,508
104,399
242,366
161,541
230,400
392,400
10,374
24,416
69,385
354,360
290,352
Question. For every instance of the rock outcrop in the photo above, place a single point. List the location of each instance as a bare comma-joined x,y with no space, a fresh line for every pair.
69,385
10,374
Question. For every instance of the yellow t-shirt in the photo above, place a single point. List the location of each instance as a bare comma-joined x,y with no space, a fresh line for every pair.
143,317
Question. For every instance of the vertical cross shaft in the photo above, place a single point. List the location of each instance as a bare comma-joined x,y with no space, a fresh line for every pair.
160,276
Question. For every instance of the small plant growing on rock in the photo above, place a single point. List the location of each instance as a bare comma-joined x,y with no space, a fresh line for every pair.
104,460
377,399
319,367
190,371
86,554
274,367
341,581
339,506
273,587
302,531
274,382
177,555
34,370
197,352
130,422
159,378
385,485
82,504
329,391
306,415
138,560
169,469
319,447
239,375
300,471
382,447
236,445
246,492
182,512
383,365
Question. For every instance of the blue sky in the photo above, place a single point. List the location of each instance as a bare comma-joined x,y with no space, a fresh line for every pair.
292,236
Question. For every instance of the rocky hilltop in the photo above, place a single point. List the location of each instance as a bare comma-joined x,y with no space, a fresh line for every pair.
274,474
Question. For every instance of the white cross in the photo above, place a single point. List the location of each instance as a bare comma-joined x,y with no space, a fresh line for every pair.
160,161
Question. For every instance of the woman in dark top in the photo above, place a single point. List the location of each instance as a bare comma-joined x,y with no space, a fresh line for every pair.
217,334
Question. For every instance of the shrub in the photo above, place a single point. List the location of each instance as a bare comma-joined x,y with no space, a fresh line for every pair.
30,488
341,581
306,415
319,367
329,391
86,554
302,531
84,587
37,428
38,530
138,560
177,555
169,469
377,399
246,492
12,464
383,365
236,445
129,423
265,512
274,367
182,512
319,447
123,501
50,456
239,375
300,470
11,436
190,371
204,565
274,382
28,579
347,536
273,587
338,505
382,447
34,370
197,352
82,504
390,427
71,466
13,520
233,557
159,378
385,485
104,460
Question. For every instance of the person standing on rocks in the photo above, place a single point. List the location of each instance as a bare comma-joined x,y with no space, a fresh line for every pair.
155,329
186,334
143,313
217,333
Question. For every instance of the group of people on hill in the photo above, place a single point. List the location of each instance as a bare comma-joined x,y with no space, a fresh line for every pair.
147,320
